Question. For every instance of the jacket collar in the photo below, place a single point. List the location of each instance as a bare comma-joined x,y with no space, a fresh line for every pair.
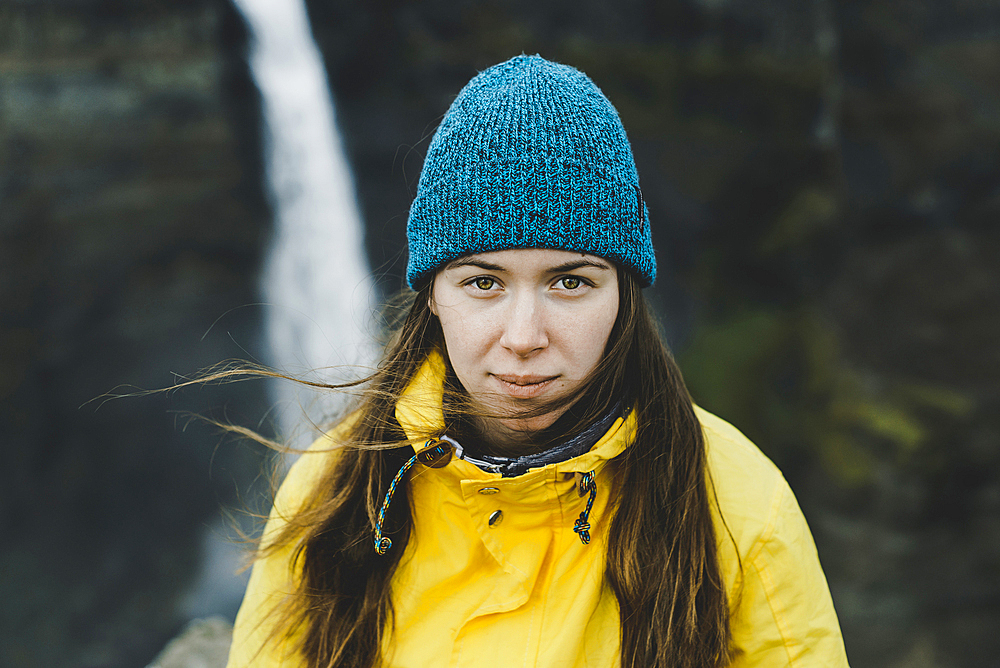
420,413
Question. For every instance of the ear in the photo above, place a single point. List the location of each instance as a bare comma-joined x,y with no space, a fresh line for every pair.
431,303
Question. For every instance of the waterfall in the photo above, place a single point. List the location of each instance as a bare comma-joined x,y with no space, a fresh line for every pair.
316,283
316,280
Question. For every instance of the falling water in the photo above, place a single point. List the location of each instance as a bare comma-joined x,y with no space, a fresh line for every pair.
316,282
316,279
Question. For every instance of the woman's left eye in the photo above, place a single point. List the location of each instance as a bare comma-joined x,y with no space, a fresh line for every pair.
484,283
570,282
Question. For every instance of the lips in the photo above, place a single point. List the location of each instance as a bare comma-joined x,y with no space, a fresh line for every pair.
524,387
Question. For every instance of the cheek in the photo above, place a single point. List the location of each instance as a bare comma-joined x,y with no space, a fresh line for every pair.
465,340
590,334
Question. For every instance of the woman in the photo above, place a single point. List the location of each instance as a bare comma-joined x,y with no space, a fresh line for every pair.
526,481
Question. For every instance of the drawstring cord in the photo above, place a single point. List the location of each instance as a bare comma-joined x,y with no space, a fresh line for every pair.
383,543
582,525
437,454
434,456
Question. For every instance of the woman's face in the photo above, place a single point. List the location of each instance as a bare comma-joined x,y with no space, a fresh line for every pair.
523,326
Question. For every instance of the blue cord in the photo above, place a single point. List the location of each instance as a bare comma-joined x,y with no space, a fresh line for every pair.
582,525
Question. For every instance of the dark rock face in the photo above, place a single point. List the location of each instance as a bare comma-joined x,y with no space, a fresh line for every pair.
132,219
824,191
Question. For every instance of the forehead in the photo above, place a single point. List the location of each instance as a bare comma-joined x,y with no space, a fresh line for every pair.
530,259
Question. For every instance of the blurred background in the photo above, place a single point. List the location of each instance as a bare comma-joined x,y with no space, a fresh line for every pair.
824,187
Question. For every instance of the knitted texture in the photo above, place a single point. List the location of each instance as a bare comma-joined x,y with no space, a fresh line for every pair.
531,154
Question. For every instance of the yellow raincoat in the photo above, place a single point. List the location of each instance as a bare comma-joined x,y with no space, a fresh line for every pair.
526,591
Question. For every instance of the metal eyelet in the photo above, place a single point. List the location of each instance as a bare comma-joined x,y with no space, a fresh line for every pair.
436,456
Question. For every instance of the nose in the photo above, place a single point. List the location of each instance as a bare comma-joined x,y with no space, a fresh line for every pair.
525,332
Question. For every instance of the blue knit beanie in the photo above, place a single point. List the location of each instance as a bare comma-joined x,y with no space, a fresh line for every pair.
531,154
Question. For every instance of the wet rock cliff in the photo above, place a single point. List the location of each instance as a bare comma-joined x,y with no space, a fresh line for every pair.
133,225
824,189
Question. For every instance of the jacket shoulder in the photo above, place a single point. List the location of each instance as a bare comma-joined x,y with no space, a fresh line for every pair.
256,640
747,485
782,613
307,469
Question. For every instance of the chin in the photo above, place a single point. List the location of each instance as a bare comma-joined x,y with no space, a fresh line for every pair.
528,426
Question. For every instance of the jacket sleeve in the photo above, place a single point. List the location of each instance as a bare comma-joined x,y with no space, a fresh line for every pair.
784,614
255,643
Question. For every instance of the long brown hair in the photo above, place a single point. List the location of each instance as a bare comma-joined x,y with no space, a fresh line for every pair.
662,560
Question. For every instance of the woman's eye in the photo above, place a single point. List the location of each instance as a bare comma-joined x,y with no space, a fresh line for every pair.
484,283
570,282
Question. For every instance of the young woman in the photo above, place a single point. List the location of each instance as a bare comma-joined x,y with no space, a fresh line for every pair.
526,481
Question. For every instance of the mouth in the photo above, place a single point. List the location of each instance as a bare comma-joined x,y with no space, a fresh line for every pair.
524,387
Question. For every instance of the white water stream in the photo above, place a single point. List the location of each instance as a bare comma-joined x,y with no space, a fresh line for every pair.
316,279
316,282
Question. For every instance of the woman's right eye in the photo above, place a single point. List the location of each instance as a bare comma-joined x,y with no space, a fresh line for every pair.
484,282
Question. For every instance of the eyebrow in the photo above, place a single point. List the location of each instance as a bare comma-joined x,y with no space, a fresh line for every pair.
577,264
572,265
472,261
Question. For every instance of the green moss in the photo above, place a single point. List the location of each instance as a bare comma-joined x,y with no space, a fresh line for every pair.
780,376
727,363
879,417
809,211
844,460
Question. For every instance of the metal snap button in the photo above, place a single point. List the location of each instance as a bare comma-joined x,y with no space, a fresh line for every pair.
489,490
496,517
